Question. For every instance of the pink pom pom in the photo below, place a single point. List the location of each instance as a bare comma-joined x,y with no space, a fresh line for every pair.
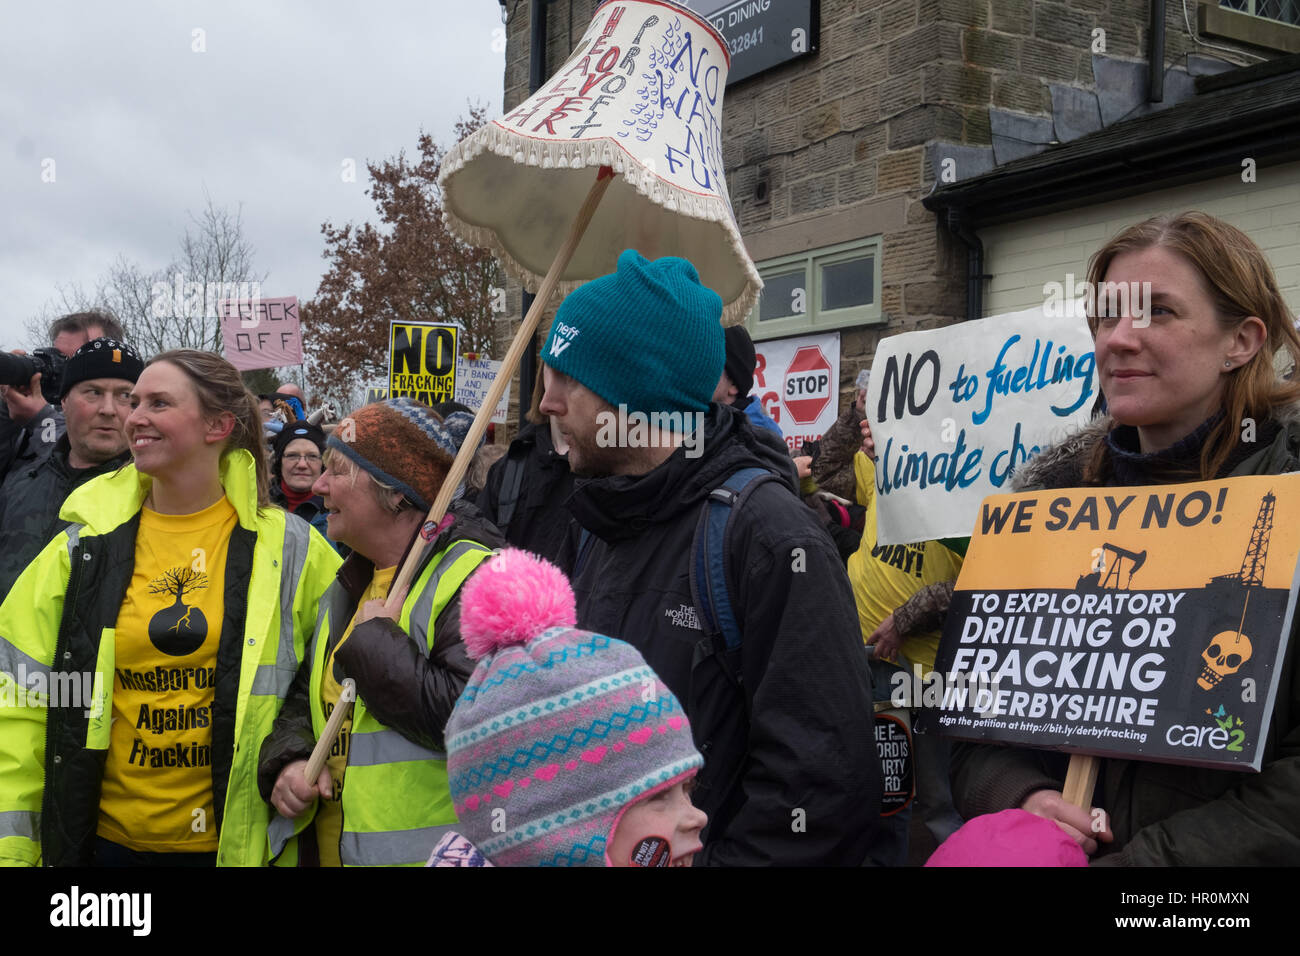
511,599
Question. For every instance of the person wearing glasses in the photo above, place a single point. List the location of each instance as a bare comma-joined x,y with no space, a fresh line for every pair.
295,466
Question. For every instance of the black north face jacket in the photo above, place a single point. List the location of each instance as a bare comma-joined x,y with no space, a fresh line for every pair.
791,774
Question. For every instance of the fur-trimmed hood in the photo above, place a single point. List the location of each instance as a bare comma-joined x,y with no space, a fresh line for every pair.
1061,465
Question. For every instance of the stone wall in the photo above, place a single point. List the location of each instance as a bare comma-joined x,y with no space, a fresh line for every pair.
832,147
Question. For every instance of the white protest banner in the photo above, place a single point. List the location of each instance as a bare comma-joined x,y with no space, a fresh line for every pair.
474,376
261,333
954,411
797,383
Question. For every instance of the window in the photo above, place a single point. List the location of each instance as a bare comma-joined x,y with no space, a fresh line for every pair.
1287,11
1270,24
819,290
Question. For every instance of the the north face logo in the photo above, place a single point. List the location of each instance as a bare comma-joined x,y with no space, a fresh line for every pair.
684,616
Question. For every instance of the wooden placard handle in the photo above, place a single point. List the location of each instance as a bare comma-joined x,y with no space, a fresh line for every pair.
1080,780
320,753
469,446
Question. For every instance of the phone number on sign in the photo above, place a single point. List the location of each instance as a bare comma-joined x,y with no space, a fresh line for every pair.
746,41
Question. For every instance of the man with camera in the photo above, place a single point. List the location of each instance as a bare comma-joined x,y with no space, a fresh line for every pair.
30,422
95,392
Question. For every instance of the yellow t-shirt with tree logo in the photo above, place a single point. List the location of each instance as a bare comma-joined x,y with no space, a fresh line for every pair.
157,792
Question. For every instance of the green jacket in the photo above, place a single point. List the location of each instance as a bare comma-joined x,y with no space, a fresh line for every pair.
63,609
1164,814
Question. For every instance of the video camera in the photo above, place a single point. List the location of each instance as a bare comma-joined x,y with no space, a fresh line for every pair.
19,369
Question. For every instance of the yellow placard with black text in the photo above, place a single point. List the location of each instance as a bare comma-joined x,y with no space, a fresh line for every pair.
422,361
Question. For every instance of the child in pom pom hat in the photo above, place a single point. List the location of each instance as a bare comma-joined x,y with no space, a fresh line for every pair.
565,748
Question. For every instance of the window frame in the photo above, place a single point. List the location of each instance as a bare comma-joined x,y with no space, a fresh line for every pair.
1215,20
814,319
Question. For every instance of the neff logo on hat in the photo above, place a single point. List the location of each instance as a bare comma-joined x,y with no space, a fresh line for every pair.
566,332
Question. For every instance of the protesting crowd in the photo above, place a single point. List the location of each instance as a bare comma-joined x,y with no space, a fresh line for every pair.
231,634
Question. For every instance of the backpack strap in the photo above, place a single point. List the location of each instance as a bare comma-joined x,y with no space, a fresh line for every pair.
708,554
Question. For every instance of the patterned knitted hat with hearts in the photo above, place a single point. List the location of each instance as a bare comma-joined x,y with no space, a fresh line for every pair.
558,730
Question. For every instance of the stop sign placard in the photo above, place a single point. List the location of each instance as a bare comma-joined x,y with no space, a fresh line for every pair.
807,389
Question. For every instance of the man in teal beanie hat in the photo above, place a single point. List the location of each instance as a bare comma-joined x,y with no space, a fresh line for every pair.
648,336
784,717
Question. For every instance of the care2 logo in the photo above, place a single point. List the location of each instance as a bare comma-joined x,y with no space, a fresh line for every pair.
1216,738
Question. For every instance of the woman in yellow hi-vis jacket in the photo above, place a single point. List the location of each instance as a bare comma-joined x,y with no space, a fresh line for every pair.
146,651
384,799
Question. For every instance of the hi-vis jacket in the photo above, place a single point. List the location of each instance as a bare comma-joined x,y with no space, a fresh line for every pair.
57,633
409,674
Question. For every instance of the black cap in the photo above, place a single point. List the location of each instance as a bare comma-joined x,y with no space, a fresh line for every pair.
740,359
101,358
294,431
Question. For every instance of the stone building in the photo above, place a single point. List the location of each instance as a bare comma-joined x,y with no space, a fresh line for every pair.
868,173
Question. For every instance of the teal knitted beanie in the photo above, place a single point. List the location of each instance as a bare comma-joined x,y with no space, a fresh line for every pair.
648,336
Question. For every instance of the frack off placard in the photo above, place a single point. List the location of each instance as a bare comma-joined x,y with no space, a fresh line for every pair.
1147,623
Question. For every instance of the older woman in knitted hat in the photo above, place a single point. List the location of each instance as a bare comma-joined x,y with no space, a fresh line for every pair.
383,792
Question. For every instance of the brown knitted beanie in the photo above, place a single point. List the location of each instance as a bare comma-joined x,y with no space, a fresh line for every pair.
401,443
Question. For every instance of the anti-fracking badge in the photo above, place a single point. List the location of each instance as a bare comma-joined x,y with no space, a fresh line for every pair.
1148,623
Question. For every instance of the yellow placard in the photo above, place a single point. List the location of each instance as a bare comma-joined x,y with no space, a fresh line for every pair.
1146,622
422,361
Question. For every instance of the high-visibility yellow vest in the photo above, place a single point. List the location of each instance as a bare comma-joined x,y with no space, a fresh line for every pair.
292,567
396,802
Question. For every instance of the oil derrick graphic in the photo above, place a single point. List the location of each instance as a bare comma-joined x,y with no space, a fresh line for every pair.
180,628
1228,650
1094,580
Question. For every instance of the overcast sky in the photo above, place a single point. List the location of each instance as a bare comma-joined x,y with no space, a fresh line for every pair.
139,124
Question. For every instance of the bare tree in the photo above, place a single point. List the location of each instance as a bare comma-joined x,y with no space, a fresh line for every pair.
176,306
71,297
215,263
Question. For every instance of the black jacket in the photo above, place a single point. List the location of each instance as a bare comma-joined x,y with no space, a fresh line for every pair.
540,522
32,443
791,774
403,688
30,499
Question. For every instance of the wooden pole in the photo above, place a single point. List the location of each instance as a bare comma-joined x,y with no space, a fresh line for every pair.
1080,780
320,753
508,365
402,583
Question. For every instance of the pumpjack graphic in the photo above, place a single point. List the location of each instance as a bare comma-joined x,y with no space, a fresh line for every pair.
1095,580
180,628
1228,650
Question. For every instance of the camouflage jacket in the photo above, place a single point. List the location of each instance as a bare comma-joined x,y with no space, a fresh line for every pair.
833,469
924,611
